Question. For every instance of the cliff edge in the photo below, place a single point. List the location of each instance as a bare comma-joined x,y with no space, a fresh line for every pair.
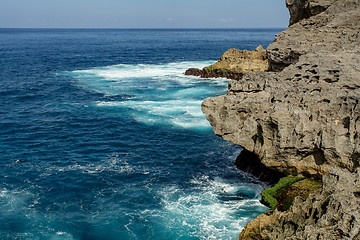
301,117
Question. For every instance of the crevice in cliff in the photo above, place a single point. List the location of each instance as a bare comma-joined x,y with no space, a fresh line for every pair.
244,91
355,158
319,156
249,162
303,9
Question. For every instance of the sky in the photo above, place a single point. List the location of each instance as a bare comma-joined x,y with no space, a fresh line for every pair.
143,14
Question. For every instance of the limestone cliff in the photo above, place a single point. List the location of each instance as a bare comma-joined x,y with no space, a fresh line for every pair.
301,9
303,117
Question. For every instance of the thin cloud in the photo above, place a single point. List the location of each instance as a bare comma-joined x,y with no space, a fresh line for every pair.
226,20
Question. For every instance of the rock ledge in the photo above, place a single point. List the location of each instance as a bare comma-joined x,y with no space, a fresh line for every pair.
234,64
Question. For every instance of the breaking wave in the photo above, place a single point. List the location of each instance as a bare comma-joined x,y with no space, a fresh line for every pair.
155,93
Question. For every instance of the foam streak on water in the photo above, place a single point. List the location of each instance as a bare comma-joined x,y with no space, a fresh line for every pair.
155,94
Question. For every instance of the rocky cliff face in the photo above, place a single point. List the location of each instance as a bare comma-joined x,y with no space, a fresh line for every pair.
331,213
303,116
301,9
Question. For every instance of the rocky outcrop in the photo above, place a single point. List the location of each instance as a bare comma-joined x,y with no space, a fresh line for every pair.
213,73
331,213
303,117
301,9
334,31
234,64
242,61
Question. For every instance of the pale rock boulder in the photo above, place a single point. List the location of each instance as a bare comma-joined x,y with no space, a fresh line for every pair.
234,64
242,61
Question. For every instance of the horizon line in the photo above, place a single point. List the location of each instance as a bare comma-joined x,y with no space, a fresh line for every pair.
145,28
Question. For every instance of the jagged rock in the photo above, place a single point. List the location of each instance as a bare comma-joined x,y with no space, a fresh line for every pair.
234,64
336,29
331,213
301,9
213,73
194,72
304,119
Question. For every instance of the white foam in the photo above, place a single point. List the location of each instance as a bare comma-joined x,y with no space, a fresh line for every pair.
62,236
129,71
203,213
183,113
159,93
12,202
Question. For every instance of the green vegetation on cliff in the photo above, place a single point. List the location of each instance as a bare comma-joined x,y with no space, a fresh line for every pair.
282,195
269,195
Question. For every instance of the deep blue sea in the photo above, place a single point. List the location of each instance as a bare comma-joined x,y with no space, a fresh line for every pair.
102,136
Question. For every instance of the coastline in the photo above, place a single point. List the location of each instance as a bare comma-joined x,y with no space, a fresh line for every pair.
300,118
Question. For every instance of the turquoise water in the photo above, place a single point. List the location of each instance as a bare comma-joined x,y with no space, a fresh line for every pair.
102,136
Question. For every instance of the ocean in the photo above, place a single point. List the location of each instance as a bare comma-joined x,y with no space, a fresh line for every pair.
102,136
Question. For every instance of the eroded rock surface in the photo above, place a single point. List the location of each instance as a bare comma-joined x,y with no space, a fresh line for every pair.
335,30
301,9
303,117
331,213
234,64
242,61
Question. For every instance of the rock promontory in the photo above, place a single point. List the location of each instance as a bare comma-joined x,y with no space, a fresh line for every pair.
234,64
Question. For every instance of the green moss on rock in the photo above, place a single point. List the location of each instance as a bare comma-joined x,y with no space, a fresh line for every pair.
302,188
282,195
269,195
